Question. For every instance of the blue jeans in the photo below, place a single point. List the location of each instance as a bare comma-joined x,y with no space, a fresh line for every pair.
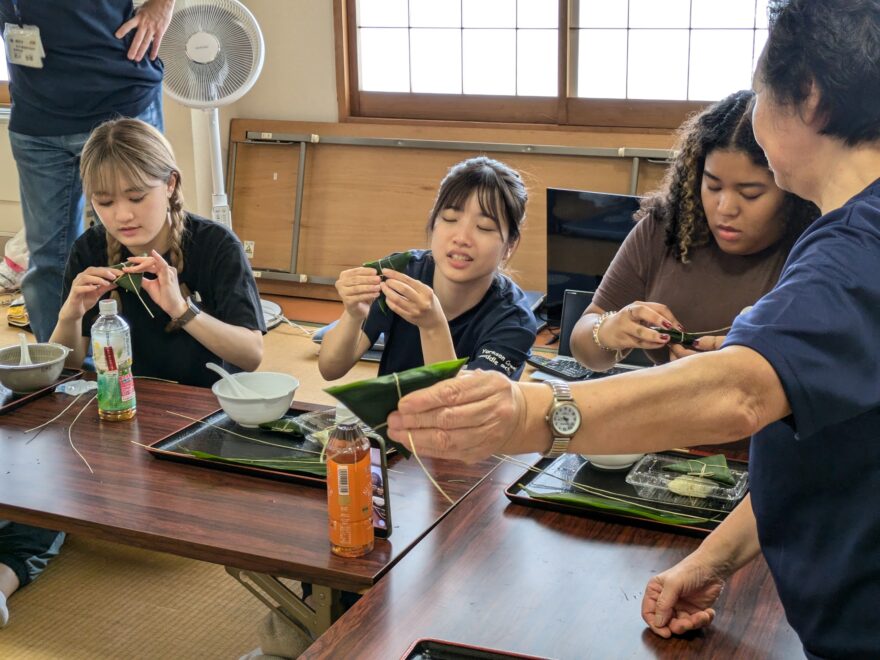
52,205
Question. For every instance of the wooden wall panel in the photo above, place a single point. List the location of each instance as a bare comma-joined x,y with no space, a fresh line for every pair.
263,198
362,202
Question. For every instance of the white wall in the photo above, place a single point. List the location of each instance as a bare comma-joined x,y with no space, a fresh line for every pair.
298,82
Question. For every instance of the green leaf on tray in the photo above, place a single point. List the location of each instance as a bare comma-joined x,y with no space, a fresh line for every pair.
617,506
375,398
397,261
285,464
709,467
287,424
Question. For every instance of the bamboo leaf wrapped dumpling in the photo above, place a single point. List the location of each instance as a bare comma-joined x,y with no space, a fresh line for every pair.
397,261
706,467
372,400
131,282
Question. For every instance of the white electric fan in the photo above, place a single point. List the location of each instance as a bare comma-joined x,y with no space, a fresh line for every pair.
213,54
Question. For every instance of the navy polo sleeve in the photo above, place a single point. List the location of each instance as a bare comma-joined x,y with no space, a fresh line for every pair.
819,326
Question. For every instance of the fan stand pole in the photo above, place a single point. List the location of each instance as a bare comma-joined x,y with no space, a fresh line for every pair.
219,204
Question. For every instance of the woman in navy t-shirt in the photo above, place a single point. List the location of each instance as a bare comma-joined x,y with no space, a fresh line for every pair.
452,300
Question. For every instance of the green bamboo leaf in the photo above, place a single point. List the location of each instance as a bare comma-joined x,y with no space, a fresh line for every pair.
397,261
686,339
604,504
709,467
375,398
287,424
131,282
285,464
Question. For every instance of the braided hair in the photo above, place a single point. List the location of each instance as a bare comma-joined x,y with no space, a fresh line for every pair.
725,125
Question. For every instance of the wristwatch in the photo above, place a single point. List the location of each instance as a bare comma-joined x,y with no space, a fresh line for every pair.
564,418
192,311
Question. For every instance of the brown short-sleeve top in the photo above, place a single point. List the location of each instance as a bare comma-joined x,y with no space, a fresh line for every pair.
704,294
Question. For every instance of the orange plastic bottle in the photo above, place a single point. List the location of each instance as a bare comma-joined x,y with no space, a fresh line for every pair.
349,487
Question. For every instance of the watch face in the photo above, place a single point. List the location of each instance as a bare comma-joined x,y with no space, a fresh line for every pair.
566,419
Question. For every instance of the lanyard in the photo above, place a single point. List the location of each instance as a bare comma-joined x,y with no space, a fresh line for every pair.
17,12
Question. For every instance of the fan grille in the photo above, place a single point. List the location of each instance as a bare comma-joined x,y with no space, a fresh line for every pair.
237,64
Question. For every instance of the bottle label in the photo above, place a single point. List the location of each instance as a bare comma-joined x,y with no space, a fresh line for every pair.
115,381
350,502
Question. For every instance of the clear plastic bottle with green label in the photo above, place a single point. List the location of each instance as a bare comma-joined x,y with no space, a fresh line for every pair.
111,350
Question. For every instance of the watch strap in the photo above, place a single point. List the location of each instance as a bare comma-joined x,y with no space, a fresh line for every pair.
192,310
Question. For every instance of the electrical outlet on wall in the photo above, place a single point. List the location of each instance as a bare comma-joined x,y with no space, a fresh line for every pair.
249,249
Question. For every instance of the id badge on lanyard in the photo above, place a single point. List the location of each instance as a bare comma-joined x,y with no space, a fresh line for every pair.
23,44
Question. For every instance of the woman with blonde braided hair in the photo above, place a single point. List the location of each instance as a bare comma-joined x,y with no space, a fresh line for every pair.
709,243
199,301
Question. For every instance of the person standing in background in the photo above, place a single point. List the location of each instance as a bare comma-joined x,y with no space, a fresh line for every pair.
72,65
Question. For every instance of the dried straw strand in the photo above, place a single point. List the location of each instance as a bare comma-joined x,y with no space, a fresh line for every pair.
413,445
70,434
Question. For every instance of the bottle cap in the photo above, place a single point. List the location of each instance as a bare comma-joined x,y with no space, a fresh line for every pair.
107,307
344,415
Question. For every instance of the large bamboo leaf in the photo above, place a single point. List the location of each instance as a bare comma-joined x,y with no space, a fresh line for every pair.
617,506
285,464
397,261
374,399
708,467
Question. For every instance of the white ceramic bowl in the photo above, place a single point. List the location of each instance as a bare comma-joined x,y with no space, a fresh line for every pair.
277,390
48,363
612,461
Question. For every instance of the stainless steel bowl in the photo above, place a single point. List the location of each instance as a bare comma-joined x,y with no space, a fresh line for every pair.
47,364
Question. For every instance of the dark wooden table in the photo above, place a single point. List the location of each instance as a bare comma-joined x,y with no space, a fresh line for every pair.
251,524
516,578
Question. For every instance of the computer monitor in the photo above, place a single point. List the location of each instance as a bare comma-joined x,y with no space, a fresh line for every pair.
584,231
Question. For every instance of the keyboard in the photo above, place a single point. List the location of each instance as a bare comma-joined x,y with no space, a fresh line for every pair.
568,368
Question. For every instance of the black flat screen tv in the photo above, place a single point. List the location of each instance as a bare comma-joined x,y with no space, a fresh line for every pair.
584,231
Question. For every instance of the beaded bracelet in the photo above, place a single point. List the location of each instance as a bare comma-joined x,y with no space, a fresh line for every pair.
604,316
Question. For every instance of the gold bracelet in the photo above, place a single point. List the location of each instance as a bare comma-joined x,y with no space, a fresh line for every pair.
604,316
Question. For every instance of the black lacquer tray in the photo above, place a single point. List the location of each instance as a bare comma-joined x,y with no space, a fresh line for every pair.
436,649
571,467
10,400
211,437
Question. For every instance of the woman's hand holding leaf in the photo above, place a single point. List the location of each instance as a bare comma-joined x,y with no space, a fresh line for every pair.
164,289
467,418
358,288
86,290
412,300
631,326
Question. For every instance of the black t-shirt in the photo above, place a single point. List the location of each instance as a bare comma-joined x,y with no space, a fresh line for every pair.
497,333
215,267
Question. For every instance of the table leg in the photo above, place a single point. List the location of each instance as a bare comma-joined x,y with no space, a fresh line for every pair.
312,618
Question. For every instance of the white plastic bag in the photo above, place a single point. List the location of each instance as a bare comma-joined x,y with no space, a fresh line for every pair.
14,264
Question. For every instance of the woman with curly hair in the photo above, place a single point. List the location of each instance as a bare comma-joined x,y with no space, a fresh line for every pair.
710,242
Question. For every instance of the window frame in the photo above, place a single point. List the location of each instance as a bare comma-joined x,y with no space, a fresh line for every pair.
561,110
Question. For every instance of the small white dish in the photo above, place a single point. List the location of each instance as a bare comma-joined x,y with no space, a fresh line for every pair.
612,461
